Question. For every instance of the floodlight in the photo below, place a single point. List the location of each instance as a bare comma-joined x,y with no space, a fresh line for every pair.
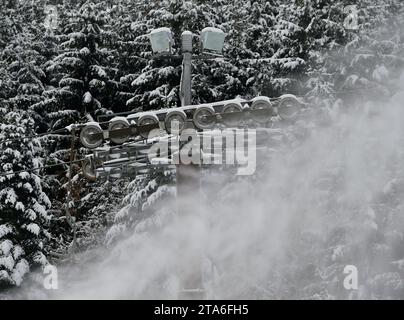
175,121
204,117
91,136
232,114
116,134
212,40
288,106
147,120
161,40
262,108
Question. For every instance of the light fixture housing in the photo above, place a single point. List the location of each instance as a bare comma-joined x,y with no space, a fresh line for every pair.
175,116
288,106
231,108
264,104
212,40
204,117
161,40
144,120
118,123
91,136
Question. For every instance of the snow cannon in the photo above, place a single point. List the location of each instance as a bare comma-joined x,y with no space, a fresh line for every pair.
91,136
262,109
231,114
288,107
204,117
175,121
146,123
119,131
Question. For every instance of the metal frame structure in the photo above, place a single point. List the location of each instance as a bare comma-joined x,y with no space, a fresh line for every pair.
120,145
262,110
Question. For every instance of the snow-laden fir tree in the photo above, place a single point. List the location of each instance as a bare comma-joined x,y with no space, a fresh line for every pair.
23,204
148,202
372,54
81,73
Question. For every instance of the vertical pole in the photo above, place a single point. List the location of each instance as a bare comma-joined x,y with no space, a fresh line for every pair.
188,176
188,182
186,78
69,198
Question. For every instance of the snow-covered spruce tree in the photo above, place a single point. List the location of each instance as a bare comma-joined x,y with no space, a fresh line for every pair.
23,204
24,68
81,80
96,209
129,38
373,53
9,22
248,47
303,32
81,73
23,60
20,55
143,209
6,84
324,36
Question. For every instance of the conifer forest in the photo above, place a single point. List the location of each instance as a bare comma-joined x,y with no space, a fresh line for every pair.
314,87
